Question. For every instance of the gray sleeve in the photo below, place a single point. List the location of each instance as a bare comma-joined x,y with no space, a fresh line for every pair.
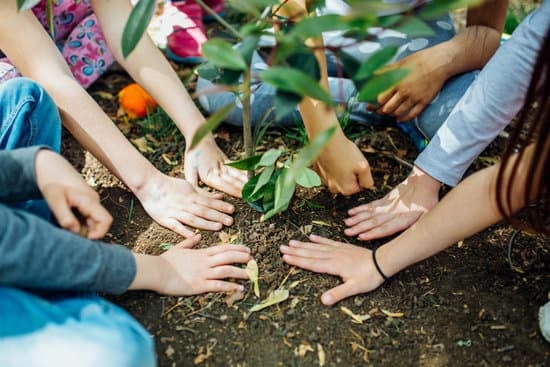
17,174
492,100
35,254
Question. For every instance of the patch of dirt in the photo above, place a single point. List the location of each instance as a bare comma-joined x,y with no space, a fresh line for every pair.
462,307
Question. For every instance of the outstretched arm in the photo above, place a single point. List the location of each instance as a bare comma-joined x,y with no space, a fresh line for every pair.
150,69
171,202
486,108
471,205
470,49
346,176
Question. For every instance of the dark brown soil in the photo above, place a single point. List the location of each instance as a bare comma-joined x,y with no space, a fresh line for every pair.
462,307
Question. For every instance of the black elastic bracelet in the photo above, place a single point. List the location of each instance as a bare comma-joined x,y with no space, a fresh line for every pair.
378,266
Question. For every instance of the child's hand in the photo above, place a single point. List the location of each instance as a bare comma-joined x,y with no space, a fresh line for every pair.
174,203
410,96
352,263
342,167
194,271
396,211
64,190
207,163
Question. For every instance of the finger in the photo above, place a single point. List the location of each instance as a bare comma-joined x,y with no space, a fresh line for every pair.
384,97
404,107
97,217
368,207
386,229
216,204
338,293
227,271
236,174
314,265
367,225
413,113
364,176
221,286
62,211
203,214
192,176
190,242
217,180
323,240
209,194
174,225
195,221
305,252
214,250
229,257
390,106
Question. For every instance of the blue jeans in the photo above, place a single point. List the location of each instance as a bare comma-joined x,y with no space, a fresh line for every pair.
57,329
69,330
343,90
28,117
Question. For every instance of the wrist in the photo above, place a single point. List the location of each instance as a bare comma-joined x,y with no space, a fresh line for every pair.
425,180
149,271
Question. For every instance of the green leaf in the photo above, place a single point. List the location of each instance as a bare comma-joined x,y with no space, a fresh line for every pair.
315,25
26,4
269,157
292,80
263,179
380,83
414,27
308,178
246,164
285,103
222,54
136,25
284,190
286,182
436,8
248,189
350,64
247,47
208,71
305,61
375,61
253,7
211,123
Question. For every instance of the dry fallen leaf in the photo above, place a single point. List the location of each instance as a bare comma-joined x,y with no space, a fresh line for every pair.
252,271
277,296
169,351
203,356
392,314
302,350
321,223
142,145
321,355
356,318
233,297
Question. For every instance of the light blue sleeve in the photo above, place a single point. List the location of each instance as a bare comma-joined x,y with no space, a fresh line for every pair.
492,100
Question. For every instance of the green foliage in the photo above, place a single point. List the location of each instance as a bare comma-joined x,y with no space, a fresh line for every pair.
380,83
136,25
26,4
223,55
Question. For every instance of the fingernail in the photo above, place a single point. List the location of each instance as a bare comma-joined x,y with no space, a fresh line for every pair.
327,299
240,288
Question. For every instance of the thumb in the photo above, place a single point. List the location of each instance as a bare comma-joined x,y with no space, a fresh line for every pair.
192,176
338,293
364,175
189,242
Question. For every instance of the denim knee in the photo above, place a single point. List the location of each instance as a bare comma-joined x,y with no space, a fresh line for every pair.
70,331
28,116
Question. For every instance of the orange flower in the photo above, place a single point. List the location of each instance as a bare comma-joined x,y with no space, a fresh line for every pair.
135,101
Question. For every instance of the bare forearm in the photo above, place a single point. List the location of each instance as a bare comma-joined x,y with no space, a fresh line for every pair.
467,209
148,67
472,47
148,272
